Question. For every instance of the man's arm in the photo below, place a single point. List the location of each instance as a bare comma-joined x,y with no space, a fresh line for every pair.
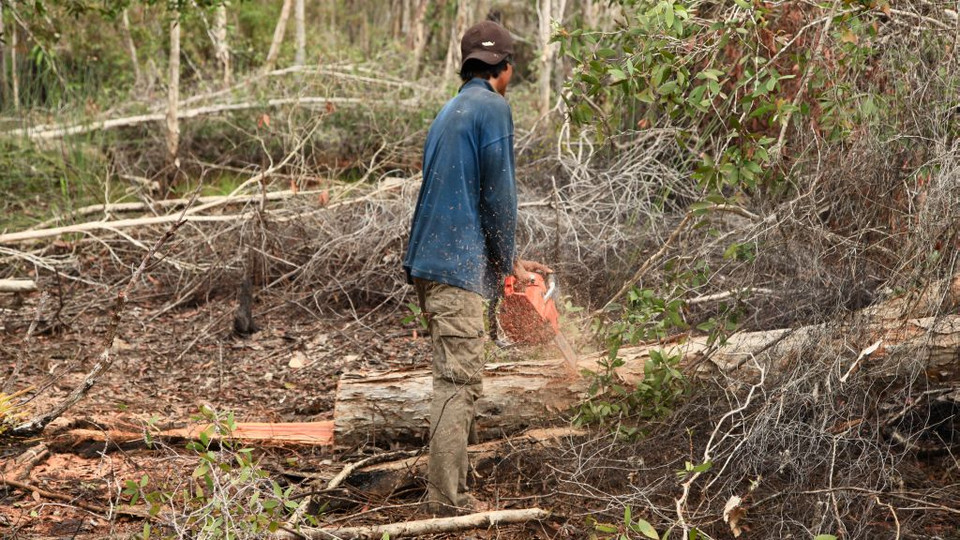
498,203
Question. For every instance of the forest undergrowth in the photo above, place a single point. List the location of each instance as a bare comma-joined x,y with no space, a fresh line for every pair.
711,170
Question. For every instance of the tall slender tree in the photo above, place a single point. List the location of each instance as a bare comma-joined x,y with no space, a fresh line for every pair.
173,104
419,41
221,44
3,57
14,72
131,48
459,26
300,22
547,10
278,33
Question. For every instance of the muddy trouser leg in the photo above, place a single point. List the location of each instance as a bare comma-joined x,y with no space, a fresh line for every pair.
456,332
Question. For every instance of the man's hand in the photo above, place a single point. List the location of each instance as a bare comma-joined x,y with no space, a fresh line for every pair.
522,270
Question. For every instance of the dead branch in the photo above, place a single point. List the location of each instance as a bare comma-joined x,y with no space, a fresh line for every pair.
100,125
144,206
12,379
17,285
73,500
36,424
423,527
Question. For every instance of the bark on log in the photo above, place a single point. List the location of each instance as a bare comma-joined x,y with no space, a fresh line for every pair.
379,408
17,285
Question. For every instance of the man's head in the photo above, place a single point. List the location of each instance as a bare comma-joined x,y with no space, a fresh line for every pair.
487,50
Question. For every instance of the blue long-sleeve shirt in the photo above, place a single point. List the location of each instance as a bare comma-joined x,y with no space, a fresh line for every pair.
466,215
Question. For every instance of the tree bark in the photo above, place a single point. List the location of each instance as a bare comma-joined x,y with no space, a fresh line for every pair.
300,19
419,42
405,7
14,72
379,408
278,33
590,14
544,12
173,103
452,62
131,49
221,44
547,10
3,57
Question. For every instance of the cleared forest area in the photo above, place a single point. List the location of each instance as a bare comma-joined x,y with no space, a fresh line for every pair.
753,209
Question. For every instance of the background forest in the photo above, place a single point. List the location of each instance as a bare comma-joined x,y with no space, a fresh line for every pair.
753,208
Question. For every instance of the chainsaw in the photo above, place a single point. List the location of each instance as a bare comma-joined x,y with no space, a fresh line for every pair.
528,314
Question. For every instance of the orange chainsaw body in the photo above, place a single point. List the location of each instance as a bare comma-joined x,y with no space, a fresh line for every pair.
527,314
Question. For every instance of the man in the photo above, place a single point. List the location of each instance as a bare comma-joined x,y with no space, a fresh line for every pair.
462,246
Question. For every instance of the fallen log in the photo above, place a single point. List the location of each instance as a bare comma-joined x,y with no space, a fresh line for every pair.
17,285
388,407
422,527
263,433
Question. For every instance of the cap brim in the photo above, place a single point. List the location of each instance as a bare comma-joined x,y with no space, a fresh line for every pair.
487,57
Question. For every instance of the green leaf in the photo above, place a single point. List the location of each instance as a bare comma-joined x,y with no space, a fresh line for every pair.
825,537
617,75
647,529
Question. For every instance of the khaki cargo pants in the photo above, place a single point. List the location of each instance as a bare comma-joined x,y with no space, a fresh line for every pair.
455,319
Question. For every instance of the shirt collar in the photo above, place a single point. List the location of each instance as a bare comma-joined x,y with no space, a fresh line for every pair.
477,81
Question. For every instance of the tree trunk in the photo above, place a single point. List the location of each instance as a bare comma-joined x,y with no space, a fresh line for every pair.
278,33
131,49
3,59
590,14
221,43
547,10
452,64
380,408
173,103
405,7
419,36
300,19
14,72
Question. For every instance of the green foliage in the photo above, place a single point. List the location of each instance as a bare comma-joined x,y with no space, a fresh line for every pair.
227,496
416,315
610,403
630,528
721,79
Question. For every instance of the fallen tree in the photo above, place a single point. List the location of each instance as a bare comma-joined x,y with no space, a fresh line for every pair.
380,408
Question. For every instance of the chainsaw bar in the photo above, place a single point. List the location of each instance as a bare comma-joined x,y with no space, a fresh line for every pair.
528,314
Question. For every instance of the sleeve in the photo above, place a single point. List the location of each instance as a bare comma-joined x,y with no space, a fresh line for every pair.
498,198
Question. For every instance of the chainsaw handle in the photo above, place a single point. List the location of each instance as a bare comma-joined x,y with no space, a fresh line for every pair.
551,286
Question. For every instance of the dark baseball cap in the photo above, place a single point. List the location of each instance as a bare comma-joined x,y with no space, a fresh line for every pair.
486,41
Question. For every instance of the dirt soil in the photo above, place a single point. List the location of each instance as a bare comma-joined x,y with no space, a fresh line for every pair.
166,368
